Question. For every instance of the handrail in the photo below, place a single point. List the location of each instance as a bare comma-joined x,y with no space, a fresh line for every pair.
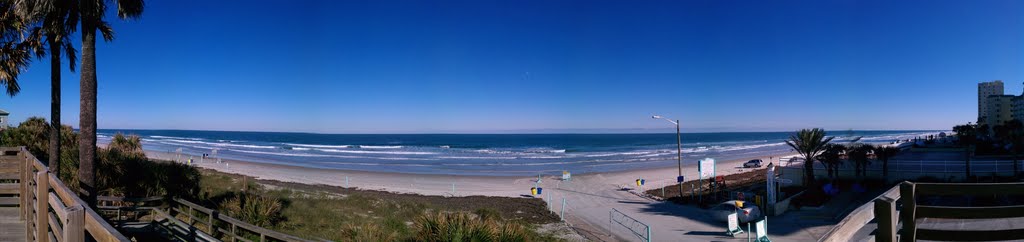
846,228
214,214
76,216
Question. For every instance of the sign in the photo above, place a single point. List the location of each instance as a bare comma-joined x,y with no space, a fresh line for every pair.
707,168
770,203
566,175
761,230
734,225
679,179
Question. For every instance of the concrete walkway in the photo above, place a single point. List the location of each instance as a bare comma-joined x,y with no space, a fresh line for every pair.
590,198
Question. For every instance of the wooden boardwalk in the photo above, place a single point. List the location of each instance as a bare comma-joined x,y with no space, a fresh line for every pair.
12,227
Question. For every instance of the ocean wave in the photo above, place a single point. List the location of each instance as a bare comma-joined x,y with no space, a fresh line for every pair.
380,146
221,144
378,152
173,137
319,146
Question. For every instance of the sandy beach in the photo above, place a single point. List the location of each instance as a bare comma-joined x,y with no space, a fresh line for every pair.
442,185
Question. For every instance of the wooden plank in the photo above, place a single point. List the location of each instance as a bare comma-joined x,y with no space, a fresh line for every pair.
885,217
9,201
970,212
968,189
124,199
55,226
12,175
909,212
969,235
10,188
58,207
42,189
97,227
74,227
239,223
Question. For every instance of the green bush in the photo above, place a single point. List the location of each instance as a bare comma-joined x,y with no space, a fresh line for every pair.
462,226
263,211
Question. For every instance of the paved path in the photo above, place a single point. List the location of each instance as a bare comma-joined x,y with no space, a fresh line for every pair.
590,198
12,228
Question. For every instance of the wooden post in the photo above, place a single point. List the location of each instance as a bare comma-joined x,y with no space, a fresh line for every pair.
74,224
42,196
24,186
209,223
26,196
190,222
885,215
233,233
908,212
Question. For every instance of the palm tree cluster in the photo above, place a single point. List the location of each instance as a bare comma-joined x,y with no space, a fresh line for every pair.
33,28
813,144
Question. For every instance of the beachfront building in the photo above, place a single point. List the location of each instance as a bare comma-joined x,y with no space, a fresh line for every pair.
986,89
3,119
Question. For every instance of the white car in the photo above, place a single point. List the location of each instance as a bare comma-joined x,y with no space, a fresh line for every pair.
747,213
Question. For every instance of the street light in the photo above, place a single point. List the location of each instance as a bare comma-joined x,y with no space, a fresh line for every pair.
679,147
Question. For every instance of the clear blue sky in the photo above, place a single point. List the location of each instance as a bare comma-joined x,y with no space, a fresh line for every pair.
479,66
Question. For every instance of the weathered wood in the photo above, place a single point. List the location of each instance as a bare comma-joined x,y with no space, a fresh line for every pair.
12,227
99,229
970,235
909,214
55,226
58,207
969,189
74,225
123,199
10,189
42,193
924,211
885,217
238,223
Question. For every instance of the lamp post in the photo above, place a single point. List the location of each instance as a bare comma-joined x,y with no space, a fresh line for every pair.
679,147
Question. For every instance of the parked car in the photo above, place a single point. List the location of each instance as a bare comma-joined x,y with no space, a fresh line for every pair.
752,164
748,213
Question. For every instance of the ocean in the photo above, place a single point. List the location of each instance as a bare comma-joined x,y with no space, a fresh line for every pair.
480,154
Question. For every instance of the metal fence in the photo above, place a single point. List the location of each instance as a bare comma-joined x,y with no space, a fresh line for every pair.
640,229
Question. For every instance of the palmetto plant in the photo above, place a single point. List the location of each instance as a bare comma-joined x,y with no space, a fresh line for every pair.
92,12
832,158
884,153
462,226
809,143
859,154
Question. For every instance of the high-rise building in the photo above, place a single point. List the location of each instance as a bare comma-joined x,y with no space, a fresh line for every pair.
986,89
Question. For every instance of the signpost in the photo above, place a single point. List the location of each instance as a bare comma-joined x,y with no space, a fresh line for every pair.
770,203
706,168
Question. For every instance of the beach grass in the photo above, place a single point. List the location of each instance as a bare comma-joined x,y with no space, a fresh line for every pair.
340,214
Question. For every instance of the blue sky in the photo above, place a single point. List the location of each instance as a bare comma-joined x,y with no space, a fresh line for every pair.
484,66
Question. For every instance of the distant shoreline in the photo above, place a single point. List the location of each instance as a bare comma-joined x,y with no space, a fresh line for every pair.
441,185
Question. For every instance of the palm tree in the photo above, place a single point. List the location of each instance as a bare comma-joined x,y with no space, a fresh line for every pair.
809,143
832,158
16,49
58,20
966,135
1014,136
92,12
858,153
884,153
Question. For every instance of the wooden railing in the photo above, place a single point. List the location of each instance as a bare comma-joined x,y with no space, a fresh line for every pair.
53,212
847,228
906,196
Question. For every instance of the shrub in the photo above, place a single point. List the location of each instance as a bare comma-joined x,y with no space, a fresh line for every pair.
258,210
368,232
462,226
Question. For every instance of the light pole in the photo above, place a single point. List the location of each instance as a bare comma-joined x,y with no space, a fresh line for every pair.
679,147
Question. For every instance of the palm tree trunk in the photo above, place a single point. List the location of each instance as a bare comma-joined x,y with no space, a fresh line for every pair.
54,161
967,162
885,169
87,115
808,172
